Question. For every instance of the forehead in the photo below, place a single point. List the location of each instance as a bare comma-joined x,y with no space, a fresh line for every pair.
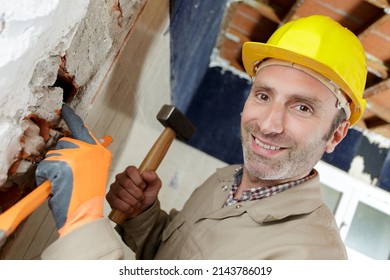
291,81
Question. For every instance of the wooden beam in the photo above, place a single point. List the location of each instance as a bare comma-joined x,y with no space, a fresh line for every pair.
377,88
374,64
292,12
376,67
379,110
379,3
383,130
264,9
374,121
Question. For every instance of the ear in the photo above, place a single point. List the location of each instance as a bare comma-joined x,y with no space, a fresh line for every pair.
337,136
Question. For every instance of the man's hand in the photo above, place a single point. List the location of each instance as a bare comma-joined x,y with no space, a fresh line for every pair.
78,171
133,192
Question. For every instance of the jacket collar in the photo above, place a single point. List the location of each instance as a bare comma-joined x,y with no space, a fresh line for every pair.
299,200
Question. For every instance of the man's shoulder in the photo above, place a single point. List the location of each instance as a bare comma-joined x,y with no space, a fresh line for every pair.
227,172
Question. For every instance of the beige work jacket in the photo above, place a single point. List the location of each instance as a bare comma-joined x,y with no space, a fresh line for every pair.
95,240
293,224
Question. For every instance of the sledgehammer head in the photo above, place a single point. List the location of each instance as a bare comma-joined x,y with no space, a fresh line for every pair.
171,117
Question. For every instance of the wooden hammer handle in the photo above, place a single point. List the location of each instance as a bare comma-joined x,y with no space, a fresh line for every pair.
150,163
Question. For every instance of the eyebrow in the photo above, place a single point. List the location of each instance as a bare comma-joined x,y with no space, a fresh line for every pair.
312,100
261,86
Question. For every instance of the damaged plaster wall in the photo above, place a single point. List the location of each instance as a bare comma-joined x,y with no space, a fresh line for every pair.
52,52
121,99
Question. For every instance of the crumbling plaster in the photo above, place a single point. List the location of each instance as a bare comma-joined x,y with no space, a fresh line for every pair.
126,93
37,38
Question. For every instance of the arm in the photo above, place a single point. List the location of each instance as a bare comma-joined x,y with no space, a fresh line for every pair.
143,234
135,193
78,170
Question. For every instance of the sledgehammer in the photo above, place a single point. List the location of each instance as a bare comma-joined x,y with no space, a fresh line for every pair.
176,125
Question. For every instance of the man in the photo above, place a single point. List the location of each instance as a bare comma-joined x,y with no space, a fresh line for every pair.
308,82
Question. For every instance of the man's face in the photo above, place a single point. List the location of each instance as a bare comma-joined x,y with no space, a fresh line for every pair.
284,124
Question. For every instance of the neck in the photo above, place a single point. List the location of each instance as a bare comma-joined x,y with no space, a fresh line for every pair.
250,181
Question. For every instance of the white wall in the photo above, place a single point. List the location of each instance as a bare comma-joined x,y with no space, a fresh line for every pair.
34,36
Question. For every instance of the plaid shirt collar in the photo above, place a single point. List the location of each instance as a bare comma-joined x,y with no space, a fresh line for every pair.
260,192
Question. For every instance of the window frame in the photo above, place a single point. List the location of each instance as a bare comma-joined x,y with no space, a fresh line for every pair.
353,191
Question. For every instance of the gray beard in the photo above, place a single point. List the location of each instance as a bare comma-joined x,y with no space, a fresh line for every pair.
295,164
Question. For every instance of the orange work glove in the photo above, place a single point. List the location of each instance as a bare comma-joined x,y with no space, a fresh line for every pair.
78,171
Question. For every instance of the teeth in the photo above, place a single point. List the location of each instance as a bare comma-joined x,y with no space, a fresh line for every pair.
265,146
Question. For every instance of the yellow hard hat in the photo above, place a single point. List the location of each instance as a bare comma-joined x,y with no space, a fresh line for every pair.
323,45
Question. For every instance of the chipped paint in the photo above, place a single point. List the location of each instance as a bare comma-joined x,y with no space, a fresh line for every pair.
217,61
118,9
377,139
357,171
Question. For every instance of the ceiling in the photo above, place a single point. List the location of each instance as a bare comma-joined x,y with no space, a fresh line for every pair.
256,20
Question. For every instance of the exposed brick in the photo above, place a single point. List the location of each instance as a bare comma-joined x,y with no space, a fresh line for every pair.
254,25
381,98
244,24
375,38
248,11
231,51
355,15
373,43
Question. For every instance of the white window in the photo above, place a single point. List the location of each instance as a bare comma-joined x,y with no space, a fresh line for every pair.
362,212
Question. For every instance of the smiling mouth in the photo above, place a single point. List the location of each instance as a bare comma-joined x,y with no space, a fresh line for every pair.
266,146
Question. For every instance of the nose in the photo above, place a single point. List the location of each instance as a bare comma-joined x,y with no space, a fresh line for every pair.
272,120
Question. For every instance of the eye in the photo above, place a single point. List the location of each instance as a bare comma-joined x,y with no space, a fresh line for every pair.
303,109
262,96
